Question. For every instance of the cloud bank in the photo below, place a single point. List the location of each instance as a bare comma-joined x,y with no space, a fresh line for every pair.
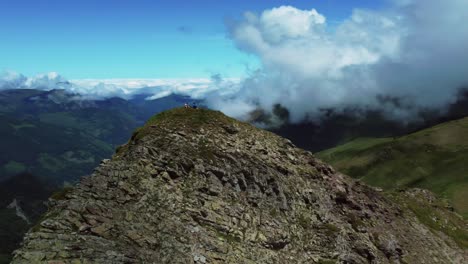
408,57
124,88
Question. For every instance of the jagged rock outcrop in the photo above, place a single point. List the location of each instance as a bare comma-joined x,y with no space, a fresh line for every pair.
194,186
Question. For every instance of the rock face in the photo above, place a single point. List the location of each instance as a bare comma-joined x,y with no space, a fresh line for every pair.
194,186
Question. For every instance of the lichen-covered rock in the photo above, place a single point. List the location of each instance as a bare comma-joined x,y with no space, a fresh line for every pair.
194,186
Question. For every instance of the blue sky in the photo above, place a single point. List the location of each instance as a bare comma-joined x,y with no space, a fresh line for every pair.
135,38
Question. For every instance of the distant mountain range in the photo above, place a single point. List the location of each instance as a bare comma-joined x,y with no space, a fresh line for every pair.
60,136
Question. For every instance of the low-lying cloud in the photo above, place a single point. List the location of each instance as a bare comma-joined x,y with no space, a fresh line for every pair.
124,88
412,53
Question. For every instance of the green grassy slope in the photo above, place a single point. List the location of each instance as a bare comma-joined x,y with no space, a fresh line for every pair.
434,159
62,136
52,135
51,151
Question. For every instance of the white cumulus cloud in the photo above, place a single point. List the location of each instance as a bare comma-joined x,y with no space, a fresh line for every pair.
414,51
288,22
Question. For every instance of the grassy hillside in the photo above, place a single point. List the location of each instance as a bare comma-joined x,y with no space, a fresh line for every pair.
434,159
52,151
60,136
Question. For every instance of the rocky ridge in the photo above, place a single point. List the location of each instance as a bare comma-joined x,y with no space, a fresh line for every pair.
194,186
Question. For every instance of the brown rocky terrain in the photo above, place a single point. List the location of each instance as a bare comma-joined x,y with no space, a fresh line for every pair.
194,186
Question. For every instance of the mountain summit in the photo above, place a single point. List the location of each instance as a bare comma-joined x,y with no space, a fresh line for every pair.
195,186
